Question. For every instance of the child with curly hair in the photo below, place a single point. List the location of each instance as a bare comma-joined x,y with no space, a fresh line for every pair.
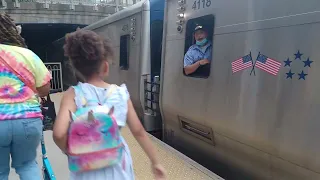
89,54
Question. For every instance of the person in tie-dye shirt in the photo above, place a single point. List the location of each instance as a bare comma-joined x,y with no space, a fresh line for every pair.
20,113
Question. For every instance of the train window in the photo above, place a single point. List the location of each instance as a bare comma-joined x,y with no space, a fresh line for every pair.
198,47
156,47
124,52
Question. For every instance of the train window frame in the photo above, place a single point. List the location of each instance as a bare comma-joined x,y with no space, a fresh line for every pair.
208,21
124,52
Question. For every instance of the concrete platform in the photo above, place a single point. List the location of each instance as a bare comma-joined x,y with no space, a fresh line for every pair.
178,166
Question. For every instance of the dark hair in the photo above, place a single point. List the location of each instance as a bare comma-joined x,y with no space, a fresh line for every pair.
86,51
9,33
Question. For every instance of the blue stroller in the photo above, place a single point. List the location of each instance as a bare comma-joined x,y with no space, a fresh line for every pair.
49,115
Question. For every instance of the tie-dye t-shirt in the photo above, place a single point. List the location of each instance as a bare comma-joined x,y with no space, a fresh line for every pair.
17,100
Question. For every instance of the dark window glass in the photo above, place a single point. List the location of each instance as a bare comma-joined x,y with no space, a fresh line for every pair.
124,52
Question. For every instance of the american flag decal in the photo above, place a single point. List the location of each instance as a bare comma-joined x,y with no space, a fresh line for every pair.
242,63
267,64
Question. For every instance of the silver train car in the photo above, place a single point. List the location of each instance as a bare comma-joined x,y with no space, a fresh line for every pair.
258,123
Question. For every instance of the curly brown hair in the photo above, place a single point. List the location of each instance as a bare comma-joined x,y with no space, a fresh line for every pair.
86,51
9,33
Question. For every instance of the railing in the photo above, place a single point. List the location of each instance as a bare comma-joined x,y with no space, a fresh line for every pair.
117,4
151,95
152,116
56,72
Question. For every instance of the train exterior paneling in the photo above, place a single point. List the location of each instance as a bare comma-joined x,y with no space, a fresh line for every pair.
118,25
143,21
267,126
131,76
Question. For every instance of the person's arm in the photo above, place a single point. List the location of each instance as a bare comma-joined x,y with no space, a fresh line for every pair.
61,125
140,134
191,68
44,90
188,63
42,76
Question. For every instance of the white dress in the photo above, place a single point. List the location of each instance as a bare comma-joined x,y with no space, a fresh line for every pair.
118,98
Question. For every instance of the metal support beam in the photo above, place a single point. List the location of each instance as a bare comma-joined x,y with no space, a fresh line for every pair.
16,4
95,8
117,5
3,4
72,6
46,4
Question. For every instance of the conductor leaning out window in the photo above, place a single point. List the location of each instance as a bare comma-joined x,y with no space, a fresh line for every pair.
198,54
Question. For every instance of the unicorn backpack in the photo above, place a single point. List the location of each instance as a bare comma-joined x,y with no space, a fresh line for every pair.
94,136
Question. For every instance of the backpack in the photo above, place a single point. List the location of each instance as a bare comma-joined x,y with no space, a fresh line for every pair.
94,137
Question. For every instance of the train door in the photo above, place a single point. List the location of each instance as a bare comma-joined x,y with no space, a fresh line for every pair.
152,118
191,89
184,96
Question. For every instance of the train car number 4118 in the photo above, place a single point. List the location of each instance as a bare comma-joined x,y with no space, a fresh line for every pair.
200,4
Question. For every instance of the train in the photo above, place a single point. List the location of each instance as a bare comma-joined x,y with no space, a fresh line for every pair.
257,123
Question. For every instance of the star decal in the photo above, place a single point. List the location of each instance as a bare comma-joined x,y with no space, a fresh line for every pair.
302,75
287,62
298,55
307,63
290,74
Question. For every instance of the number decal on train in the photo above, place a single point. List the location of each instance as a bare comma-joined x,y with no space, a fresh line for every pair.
200,4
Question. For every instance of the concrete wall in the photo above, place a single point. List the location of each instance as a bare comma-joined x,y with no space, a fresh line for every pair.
33,12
